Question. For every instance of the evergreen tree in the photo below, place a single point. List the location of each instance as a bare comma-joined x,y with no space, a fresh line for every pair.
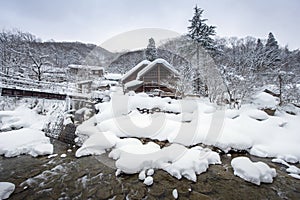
200,32
201,35
151,51
259,45
272,52
271,42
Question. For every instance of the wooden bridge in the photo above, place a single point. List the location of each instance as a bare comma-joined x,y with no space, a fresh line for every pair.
21,87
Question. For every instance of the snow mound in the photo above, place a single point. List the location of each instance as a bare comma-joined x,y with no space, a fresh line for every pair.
258,115
6,189
24,141
21,117
265,100
254,172
96,144
175,159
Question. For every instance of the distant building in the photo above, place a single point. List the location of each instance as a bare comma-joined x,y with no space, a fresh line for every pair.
150,77
113,77
84,86
84,72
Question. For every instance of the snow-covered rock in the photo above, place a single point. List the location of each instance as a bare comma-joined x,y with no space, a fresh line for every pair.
6,189
175,194
150,172
142,175
296,176
254,172
63,155
265,100
177,160
24,141
258,115
148,180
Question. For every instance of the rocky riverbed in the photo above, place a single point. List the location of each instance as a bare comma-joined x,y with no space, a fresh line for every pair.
93,177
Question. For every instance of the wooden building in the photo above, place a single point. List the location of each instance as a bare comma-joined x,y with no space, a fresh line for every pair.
150,77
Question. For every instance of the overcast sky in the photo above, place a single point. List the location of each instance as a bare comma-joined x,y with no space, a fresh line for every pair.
96,21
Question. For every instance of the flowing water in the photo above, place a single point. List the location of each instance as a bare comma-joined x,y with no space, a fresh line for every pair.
93,177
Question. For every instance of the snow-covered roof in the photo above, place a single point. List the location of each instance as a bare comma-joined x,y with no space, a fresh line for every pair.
111,76
73,66
107,82
152,64
132,70
132,83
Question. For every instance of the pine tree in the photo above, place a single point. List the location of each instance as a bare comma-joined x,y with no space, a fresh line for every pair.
200,32
271,42
151,51
259,45
272,52
201,35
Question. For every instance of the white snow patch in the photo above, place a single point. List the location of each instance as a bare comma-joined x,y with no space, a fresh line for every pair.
142,175
175,193
113,77
118,172
258,114
63,155
293,169
297,176
254,172
148,180
6,189
52,155
265,100
24,141
150,172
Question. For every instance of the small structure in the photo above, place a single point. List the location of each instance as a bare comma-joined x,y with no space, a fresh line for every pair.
150,77
85,86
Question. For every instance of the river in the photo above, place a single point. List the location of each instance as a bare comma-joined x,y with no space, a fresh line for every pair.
93,177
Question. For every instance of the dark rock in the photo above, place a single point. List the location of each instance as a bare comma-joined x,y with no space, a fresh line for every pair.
68,134
269,111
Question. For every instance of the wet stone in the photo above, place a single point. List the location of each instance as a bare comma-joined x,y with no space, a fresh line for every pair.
183,190
156,190
202,187
149,197
119,197
137,193
104,193
198,196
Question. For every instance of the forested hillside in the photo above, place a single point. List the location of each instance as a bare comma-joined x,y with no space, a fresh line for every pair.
25,55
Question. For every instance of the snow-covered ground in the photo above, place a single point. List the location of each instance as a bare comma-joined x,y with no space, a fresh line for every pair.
184,123
21,129
180,126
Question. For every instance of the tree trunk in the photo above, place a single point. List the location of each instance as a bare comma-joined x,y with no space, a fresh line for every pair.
280,89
